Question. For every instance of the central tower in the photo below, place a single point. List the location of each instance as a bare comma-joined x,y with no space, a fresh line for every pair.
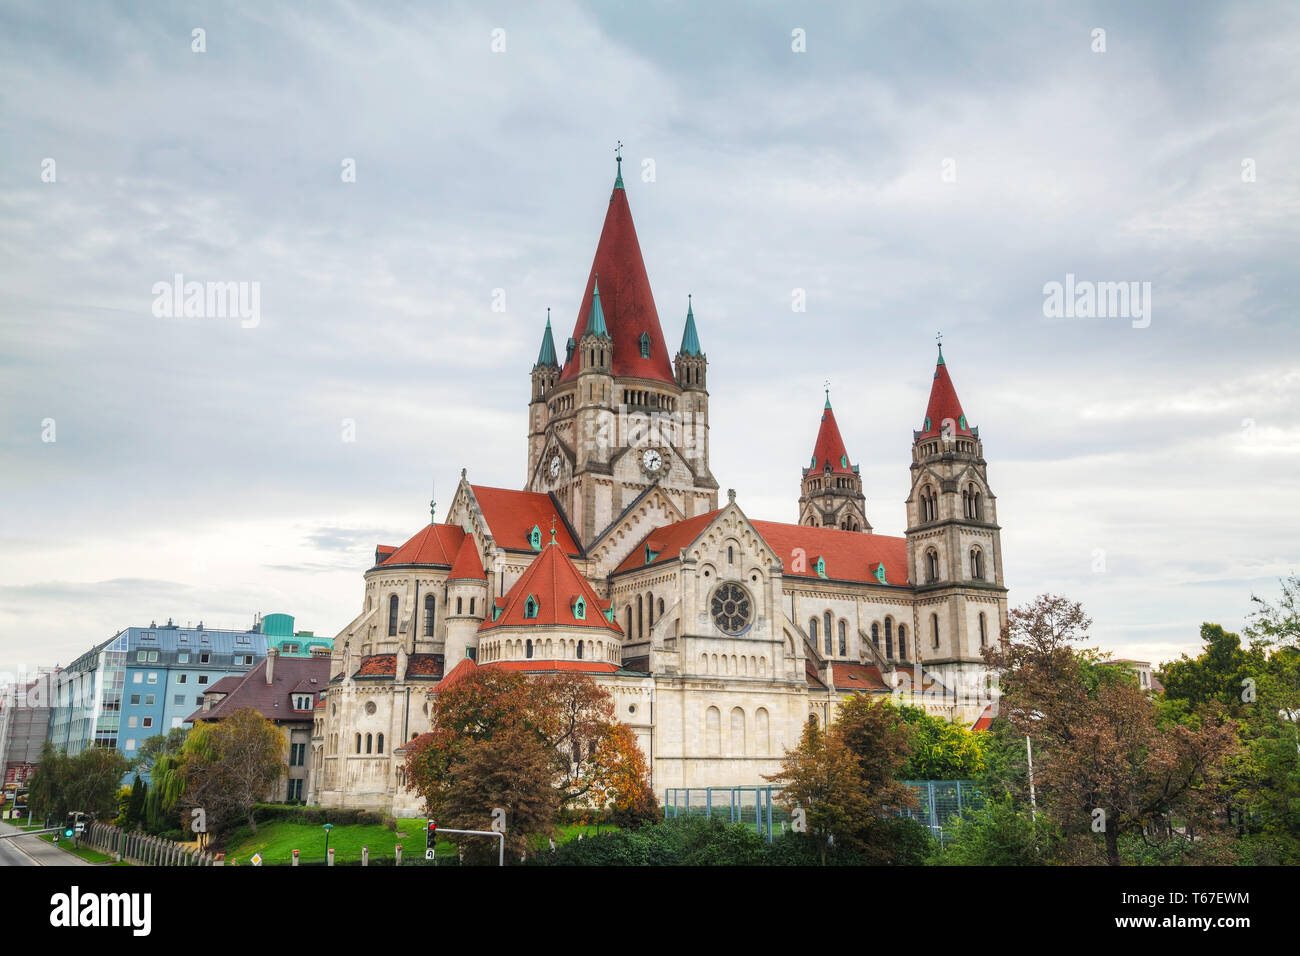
616,417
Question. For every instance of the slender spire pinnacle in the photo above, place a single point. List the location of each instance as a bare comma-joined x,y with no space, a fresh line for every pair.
433,504
939,338
553,541
618,158
546,356
828,396
690,337
596,319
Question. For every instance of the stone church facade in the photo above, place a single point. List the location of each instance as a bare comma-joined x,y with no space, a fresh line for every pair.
718,635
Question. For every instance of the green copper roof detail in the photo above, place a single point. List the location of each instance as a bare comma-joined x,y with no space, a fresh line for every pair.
828,400
546,356
596,318
618,158
535,538
821,567
941,361
690,337
880,573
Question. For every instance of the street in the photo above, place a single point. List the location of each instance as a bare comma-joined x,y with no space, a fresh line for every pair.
34,851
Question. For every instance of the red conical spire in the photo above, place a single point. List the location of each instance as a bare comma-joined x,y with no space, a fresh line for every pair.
943,405
830,446
626,301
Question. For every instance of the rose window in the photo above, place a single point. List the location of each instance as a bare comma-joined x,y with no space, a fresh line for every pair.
732,608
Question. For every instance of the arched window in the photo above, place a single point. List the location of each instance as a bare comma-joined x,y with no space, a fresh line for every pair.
358,743
965,502
812,630
829,621
984,637
650,610
460,605
528,648
661,607
392,615
430,603
731,555
976,564
762,731
737,731
713,731
977,507
889,637
875,634
931,566
640,617
580,650
471,606
379,744
934,629
844,638
902,642
369,742
629,621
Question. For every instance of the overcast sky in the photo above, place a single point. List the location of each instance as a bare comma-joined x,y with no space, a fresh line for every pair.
915,168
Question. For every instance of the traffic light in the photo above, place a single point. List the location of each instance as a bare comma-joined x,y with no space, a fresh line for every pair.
430,837
70,825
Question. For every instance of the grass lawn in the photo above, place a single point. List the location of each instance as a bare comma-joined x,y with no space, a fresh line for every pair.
277,840
87,854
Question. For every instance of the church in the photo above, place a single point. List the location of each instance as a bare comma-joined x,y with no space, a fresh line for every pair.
718,635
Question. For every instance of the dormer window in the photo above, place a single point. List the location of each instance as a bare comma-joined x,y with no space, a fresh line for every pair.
880,573
580,609
821,567
927,423
531,607
496,612
645,345
650,554
844,461
535,538
961,422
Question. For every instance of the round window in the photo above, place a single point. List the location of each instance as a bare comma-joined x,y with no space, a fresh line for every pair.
732,609
370,707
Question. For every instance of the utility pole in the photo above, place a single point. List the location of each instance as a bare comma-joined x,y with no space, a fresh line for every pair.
1033,802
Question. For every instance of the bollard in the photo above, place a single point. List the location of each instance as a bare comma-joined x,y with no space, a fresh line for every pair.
365,856
399,854
295,857
330,858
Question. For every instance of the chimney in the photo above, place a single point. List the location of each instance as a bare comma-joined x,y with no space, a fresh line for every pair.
271,655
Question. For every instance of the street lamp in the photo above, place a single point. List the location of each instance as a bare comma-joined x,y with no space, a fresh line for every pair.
327,828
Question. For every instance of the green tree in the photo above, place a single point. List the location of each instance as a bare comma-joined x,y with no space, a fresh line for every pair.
93,779
169,744
47,789
942,750
135,806
229,765
1000,833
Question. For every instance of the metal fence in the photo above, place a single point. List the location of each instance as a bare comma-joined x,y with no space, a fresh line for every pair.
938,803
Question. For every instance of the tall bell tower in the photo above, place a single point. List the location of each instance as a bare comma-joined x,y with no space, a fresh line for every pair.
954,543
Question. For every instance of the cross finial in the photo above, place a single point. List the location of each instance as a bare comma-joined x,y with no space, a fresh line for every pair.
618,157
938,337
433,504
553,541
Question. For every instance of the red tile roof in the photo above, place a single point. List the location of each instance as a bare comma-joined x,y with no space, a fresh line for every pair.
457,674
625,299
432,544
830,447
860,677
225,685
849,555
554,582
943,405
667,542
385,665
273,701
468,565
985,719
511,515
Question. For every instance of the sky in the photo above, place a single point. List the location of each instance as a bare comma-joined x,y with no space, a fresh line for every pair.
411,186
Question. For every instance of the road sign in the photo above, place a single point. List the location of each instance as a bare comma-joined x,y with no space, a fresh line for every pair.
428,854
257,859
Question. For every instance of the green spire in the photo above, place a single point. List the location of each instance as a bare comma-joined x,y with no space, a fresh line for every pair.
618,157
828,399
596,318
690,338
939,338
546,357
941,361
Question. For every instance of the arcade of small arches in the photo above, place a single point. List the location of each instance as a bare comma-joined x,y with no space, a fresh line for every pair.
744,737
735,665
571,649
641,614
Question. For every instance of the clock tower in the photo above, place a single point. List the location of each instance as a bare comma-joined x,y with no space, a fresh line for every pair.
616,417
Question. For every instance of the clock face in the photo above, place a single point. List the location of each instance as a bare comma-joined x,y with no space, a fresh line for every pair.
555,467
651,460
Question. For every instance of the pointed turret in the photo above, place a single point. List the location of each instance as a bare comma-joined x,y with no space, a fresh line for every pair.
596,317
831,492
627,305
691,364
546,355
944,406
